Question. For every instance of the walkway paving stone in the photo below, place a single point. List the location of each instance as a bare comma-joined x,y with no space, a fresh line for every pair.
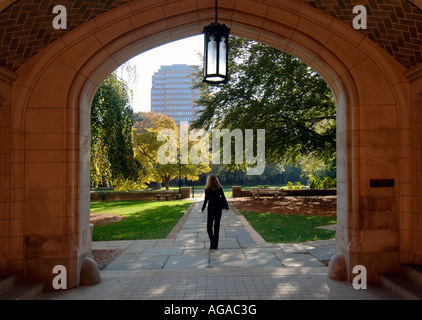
237,248
244,267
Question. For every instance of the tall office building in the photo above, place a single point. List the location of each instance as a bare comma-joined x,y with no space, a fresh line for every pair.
172,93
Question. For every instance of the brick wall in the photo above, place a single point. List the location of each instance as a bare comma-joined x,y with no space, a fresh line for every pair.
26,25
394,25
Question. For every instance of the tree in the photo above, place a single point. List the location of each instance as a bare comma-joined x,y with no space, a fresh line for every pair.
147,145
112,157
315,168
269,89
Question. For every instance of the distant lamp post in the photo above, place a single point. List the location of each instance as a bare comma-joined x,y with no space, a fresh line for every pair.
193,189
180,175
216,51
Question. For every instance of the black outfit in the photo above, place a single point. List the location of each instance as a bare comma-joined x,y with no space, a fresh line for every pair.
216,202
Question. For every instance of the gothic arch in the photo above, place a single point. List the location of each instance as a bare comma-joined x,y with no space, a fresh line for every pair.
54,90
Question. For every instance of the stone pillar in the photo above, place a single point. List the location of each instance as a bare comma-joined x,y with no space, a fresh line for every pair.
54,185
10,233
185,192
371,175
237,191
411,215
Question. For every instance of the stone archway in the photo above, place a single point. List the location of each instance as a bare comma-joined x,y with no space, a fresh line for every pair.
52,95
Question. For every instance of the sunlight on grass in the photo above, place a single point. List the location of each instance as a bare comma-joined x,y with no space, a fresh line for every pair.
284,228
142,219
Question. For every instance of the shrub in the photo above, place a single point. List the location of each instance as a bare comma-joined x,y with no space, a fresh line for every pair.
327,183
319,184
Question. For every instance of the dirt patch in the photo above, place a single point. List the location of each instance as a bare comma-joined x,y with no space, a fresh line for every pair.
102,218
104,257
324,206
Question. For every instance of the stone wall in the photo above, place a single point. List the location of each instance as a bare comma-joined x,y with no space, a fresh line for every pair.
9,247
411,204
137,195
238,192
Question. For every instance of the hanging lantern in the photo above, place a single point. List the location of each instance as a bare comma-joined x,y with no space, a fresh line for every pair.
216,52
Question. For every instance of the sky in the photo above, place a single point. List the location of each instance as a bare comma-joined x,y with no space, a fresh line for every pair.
183,51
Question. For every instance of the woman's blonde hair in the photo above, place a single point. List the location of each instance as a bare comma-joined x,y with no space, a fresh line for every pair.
212,183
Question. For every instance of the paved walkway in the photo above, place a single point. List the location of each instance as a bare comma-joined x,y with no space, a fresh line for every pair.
244,267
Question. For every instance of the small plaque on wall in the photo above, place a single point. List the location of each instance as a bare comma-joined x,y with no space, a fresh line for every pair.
381,183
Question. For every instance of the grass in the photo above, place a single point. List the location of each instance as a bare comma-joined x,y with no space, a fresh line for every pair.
155,220
284,228
142,219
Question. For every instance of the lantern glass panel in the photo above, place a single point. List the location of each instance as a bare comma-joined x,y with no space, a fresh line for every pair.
223,53
212,55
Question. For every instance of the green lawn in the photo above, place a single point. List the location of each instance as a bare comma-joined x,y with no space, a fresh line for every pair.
142,219
283,228
155,220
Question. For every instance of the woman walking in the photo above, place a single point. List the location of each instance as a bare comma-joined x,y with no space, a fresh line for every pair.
216,200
